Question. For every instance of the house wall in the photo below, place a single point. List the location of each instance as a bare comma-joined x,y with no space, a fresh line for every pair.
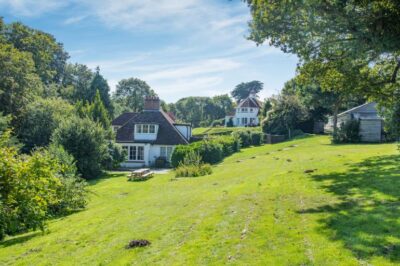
151,153
137,164
371,130
239,115
185,130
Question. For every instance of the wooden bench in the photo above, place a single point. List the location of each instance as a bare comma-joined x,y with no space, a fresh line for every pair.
140,174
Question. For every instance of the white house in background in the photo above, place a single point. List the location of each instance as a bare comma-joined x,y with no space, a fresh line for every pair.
149,135
246,112
371,123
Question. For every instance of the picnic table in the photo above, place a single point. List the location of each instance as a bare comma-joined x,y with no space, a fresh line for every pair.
140,174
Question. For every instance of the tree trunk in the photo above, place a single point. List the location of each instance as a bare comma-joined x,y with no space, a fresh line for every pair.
335,116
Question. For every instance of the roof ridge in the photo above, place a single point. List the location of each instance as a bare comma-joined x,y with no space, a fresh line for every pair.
355,108
172,125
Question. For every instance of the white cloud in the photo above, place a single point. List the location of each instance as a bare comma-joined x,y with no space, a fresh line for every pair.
74,20
30,8
192,69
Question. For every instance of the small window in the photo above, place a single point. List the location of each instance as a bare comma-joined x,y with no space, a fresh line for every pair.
139,129
251,110
152,129
145,129
132,153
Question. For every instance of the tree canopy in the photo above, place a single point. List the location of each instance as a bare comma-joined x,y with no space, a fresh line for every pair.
242,90
130,93
339,40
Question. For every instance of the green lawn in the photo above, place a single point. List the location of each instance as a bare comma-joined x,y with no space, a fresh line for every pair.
257,208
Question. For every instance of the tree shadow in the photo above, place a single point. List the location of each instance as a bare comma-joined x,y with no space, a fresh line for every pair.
107,175
19,239
367,216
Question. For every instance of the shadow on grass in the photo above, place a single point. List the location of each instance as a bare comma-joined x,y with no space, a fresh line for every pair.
367,219
106,176
19,239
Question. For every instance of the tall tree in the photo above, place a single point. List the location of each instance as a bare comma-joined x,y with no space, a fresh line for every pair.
49,55
18,81
242,90
285,115
79,78
40,119
131,92
359,31
98,112
224,105
99,84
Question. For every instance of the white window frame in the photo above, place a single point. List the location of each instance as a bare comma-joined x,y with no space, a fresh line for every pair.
152,129
135,153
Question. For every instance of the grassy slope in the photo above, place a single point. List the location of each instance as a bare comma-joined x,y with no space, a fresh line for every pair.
254,211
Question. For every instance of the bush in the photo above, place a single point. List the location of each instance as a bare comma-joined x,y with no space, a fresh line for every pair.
229,144
192,166
86,141
244,137
218,122
193,170
256,138
36,187
348,132
179,154
210,151
116,155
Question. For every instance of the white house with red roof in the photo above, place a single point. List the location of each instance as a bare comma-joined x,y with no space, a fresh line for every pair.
246,112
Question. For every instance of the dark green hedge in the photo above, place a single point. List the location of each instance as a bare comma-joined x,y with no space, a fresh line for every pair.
211,150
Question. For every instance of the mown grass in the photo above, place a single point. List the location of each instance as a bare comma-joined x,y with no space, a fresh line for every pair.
257,208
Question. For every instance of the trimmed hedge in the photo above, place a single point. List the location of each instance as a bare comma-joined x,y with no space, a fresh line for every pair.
249,137
211,150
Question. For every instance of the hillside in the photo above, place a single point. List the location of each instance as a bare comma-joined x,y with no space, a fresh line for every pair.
259,207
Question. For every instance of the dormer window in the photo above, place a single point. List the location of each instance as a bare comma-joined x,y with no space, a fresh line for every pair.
145,129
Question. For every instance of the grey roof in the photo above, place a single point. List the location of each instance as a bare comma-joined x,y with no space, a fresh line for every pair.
167,133
122,119
364,108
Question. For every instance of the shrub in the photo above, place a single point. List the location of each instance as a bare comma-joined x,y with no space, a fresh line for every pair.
348,132
36,187
179,154
192,166
116,155
210,151
229,144
86,141
244,137
218,122
256,138
193,170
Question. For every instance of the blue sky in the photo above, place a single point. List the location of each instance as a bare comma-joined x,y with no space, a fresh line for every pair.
179,47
